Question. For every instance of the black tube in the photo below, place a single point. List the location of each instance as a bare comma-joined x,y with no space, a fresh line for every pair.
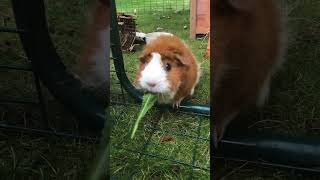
294,151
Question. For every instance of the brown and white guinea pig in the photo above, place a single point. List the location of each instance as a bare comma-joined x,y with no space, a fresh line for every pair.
248,44
168,68
93,66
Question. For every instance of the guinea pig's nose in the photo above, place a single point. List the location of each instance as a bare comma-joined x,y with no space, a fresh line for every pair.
151,84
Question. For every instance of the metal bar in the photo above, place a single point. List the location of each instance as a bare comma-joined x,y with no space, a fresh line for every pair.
194,154
180,134
312,170
175,133
19,68
118,57
11,30
122,93
45,132
171,132
163,158
14,101
145,146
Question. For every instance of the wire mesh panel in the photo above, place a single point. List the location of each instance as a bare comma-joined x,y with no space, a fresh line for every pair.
137,6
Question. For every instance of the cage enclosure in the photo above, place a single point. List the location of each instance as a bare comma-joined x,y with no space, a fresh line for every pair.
176,143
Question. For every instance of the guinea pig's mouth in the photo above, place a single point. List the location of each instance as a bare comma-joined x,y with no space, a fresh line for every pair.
155,90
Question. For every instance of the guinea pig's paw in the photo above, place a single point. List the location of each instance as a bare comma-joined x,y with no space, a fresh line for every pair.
176,104
173,105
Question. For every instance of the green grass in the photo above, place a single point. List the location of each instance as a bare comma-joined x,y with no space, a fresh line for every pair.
183,128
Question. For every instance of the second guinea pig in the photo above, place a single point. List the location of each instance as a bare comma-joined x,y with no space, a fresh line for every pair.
248,48
168,68
92,68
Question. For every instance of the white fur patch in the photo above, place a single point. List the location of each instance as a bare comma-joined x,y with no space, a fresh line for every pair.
140,34
154,35
154,73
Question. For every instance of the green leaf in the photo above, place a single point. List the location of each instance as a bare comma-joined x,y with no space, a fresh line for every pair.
147,103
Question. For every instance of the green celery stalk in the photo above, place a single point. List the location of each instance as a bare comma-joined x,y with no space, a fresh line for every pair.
147,103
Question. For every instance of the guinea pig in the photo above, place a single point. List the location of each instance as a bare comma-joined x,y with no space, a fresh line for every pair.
248,44
93,66
168,68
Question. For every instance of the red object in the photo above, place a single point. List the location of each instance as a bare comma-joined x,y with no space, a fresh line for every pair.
199,17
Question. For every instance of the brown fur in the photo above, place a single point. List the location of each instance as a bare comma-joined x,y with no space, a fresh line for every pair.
100,20
247,42
183,64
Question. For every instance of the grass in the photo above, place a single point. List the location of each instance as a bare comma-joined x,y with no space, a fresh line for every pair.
33,157
181,129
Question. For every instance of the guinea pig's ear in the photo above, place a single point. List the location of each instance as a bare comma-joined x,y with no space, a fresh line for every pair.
244,5
178,56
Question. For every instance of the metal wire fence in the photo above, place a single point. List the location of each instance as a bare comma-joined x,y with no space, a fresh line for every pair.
136,6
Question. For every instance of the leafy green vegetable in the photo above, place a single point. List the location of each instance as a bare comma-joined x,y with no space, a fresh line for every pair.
147,103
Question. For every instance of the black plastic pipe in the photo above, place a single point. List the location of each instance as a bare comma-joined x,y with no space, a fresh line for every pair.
295,152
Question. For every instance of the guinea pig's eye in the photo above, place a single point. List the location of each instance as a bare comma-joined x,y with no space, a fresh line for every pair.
167,67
